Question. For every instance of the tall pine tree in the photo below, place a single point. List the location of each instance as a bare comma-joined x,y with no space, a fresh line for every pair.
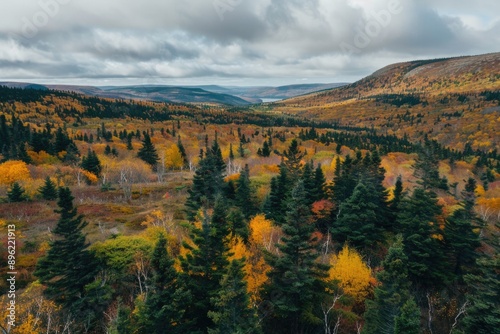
295,280
459,232
390,296
68,267
48,191
232,312
147,152
208,181
167,300
205,265
423,239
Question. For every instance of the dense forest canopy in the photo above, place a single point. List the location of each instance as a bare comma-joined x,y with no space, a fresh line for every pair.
144,217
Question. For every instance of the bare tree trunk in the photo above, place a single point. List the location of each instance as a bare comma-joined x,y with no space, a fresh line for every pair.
429,313
461,311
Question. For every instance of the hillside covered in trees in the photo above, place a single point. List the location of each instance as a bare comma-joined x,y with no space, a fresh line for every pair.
144,217
451,100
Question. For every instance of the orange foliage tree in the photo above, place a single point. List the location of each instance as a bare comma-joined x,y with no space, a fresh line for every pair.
13,171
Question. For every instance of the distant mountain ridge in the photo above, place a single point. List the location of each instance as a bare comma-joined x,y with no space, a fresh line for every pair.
455,101
235,96
431,77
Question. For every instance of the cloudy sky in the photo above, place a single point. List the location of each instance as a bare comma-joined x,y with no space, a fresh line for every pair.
233,42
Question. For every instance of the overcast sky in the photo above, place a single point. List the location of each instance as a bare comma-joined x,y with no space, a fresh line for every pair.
233,42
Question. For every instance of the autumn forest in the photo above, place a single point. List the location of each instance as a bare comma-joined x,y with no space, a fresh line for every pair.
371,208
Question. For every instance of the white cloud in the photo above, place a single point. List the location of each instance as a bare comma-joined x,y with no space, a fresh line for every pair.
258,41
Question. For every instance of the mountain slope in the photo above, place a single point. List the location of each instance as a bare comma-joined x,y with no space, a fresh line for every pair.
151,93
454,101
268,92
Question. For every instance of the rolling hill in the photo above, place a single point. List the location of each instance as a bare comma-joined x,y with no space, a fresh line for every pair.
150,93
204,94
454,101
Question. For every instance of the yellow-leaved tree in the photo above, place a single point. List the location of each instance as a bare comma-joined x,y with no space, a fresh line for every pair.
173,158
13,171
352,274
263,236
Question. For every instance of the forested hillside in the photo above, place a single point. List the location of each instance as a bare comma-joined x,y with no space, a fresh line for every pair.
454,101
142,217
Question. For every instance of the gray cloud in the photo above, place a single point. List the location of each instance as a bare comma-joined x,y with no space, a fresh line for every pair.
233,41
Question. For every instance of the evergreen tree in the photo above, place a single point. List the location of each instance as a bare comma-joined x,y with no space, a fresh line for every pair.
344,181
205,265
92,163
422,238
147,152
123,323
426,168
129,142
390,296
182,150
241,150
231,153
62,141
72,153
167,300
107,150
318,193
16,193
208,181
48,191
295,280
408,322
68,267
394,203
266,150
357,221
483,314
23,154
308,180
459,232
276,205
293,161
244,194
232,312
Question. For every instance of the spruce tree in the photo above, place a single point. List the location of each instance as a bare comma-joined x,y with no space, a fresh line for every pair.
295,280
231,153
167,300
408,322
276,205
344,181
147,152
293,161
232,312
48,191
244,194
394,203
266,150
423,239
459,232
308,180
16,193
318,192
390,296
129,142
68,267
92,163
483,313
182,150
358,223
208,181
205,265
23,154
